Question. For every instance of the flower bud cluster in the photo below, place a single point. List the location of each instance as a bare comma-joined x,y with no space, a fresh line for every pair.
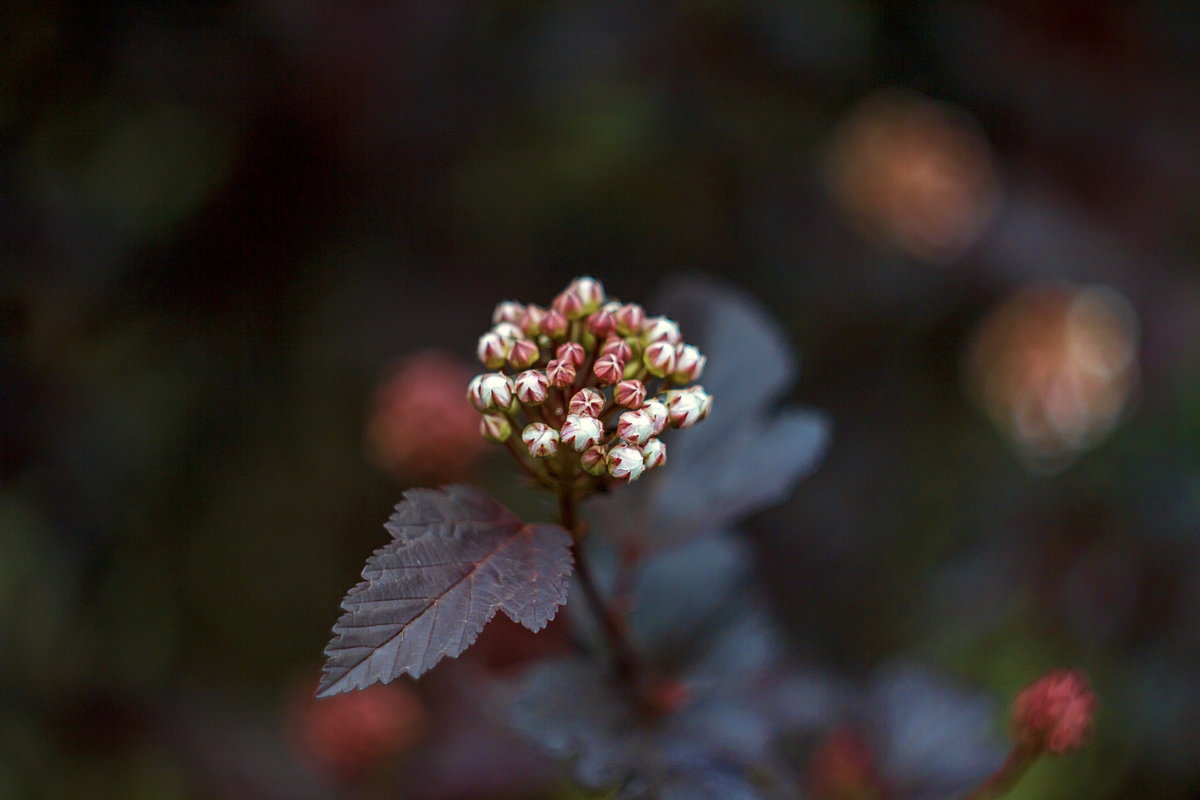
582,390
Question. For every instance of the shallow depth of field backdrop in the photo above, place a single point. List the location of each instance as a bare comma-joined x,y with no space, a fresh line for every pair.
235,236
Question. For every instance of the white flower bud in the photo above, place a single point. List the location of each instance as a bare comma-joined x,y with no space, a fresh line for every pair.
508,311
495,391
495,428
659,359
507,330
687,407
586,403
625,462
635,426
492,350
531,387
541,439
658,413
689,364
660,329
654,453
590,292
581,432
474,395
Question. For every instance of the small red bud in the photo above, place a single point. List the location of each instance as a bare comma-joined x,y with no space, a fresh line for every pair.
616,346
629,318
601,324
571,351
630,393
594,460
531,321
523,353
569,304
609,369
586,402
554,324
531,387
1054,713
560,373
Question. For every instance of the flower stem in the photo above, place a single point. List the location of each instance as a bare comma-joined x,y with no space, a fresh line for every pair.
1001,782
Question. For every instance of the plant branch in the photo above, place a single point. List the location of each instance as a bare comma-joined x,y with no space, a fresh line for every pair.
1001,782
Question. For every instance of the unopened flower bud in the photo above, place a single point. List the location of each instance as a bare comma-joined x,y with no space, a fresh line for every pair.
635,426
629,318
660,329
616,346
531,321
541,439
594,460
569,304
686,407
689,364
523,353
609,369
587,403
492,350
630,393
1054,713
625,462
590,292
475,395
581,432
495,391
531,387
659,359
570,351
554,324
654,453
495,428
560,373
658,413
508,311
507,330
601,324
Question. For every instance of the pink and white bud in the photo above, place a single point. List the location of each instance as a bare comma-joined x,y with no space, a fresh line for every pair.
658,413
492,350
590,291
495,428
531,321
635,427
609,369
616,346
587,403
705,401
474,394
689,364
686,407
594,460
531,387
569,304
661,329
659,359
523,353
654,453
507,330
629,318
541,439
508,311
495,391
601,324
625,462
581,432
571,351
554,324
560,373
630,393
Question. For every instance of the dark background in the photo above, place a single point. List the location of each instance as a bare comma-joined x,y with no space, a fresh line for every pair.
223,225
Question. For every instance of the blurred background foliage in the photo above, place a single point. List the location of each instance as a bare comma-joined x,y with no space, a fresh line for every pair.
236,235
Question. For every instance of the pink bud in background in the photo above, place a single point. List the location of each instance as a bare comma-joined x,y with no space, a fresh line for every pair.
569,304
630,393
560,373
689,364
594,460
654,453
495,428
495,391
554,324
1054,713
508,311
615,346
507,330
659,358
589,291
601,324
571,351
586,402
625,463
523,353
531,387
531,321
609,369
661,329
492,350
581,432
629,318
658,413
685,407
635,426
541,439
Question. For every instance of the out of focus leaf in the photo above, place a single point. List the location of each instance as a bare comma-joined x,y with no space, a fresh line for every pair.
457,556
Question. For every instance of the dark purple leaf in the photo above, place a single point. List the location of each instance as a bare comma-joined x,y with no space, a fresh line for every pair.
457,556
